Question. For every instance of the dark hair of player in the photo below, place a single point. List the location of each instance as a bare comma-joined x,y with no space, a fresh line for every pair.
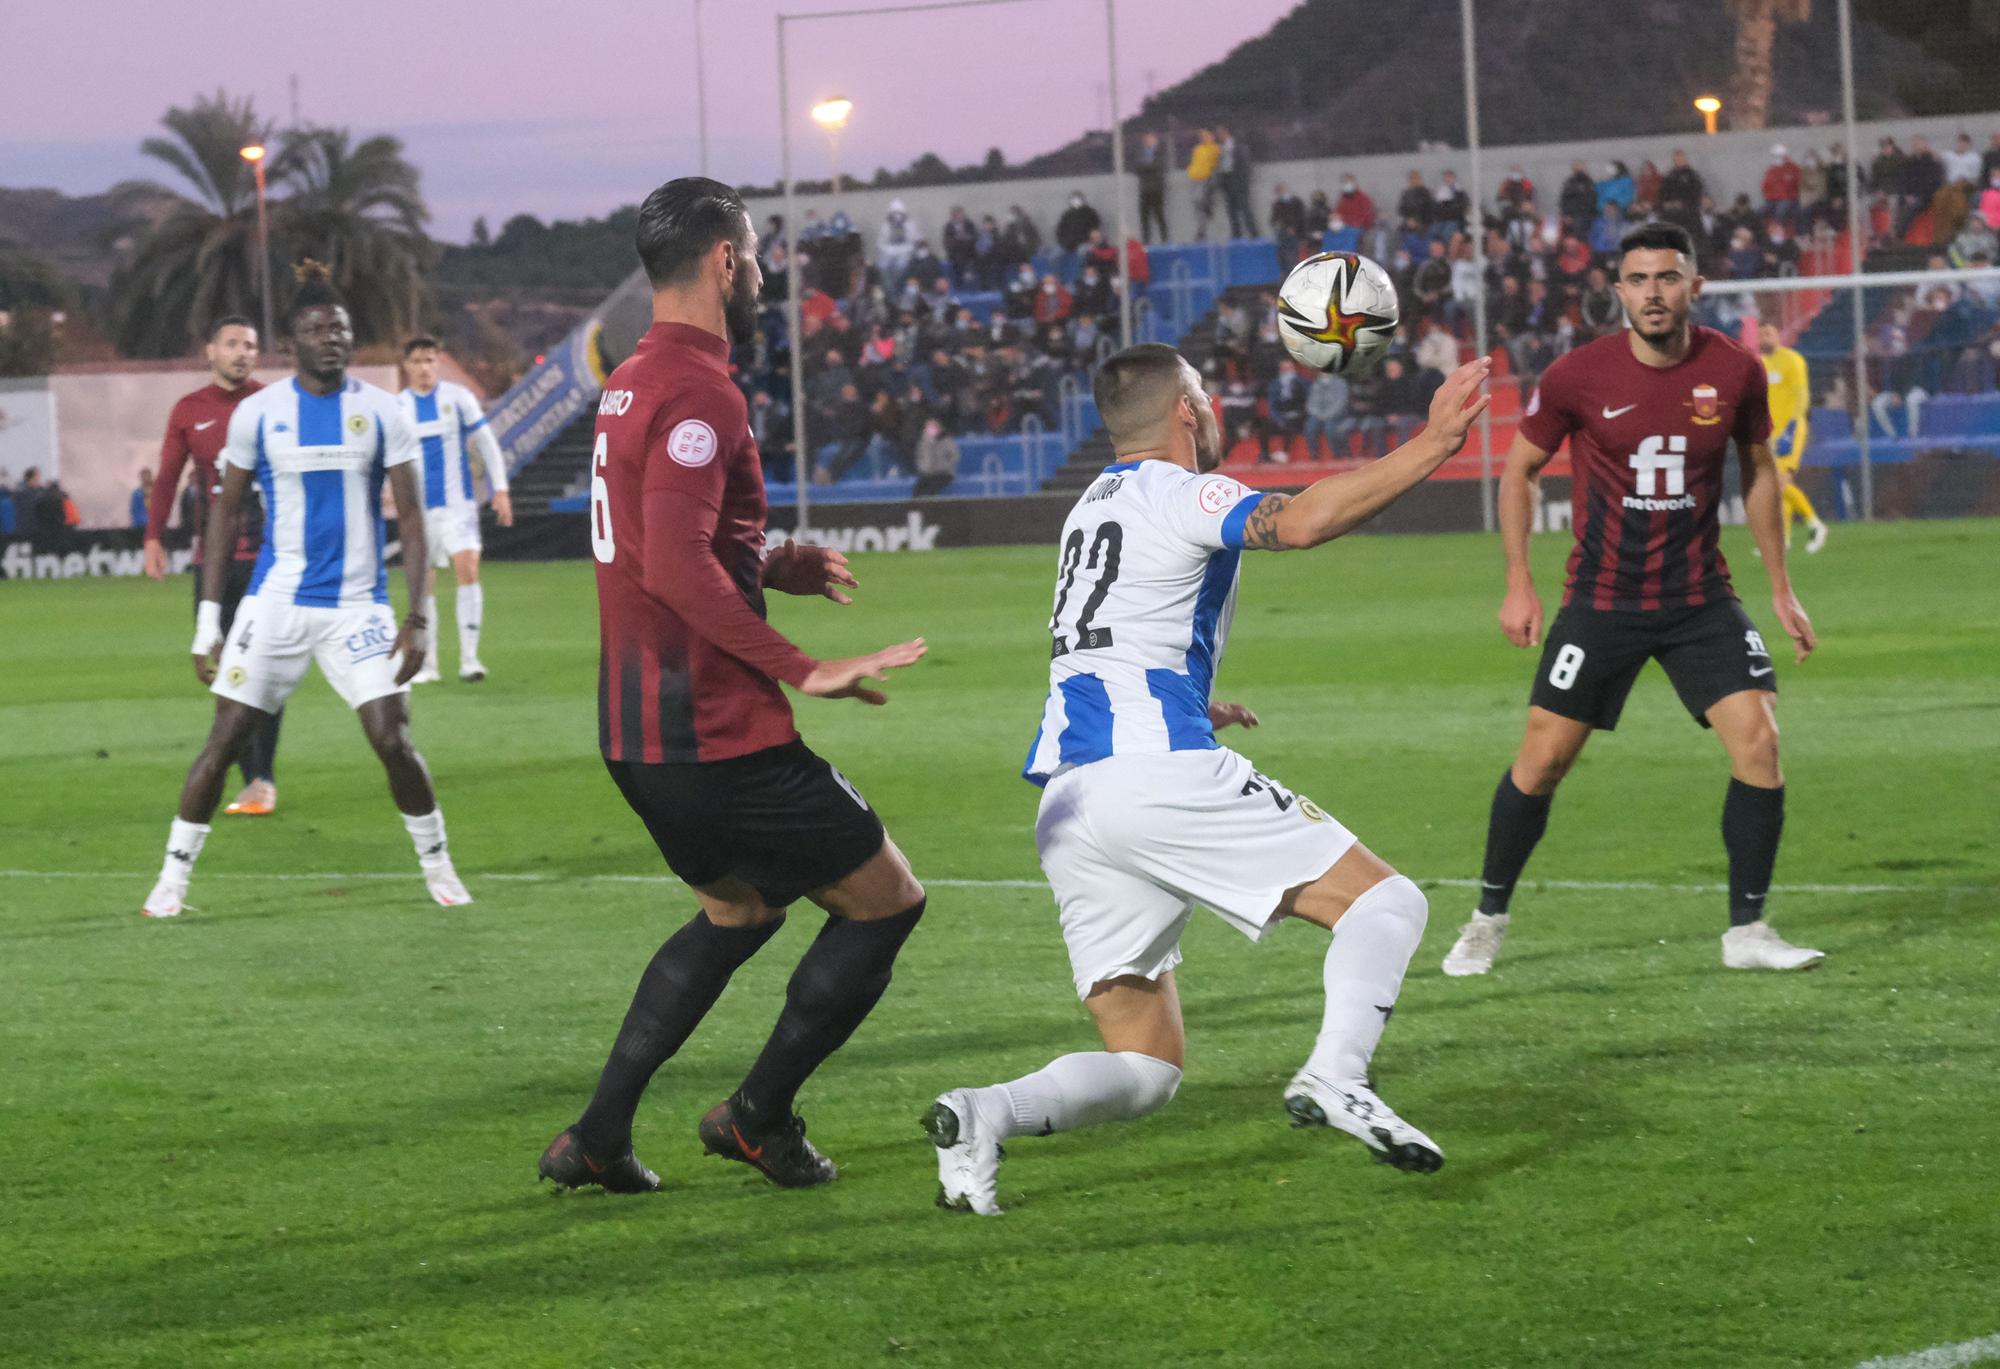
1134,388
1656,237
230,321
315,290
681,221
422,342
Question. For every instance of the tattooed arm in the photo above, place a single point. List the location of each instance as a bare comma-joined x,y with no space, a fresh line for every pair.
1341,503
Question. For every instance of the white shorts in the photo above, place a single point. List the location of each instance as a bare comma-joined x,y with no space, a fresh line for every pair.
450,529
270,644
1131,843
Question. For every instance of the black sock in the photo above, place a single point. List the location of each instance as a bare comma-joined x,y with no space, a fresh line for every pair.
1517,823
681,984
1752,821
838,980
260,750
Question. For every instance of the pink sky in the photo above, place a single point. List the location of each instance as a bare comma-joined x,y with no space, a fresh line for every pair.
563,110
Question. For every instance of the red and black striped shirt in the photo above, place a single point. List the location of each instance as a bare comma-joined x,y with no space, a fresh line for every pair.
1647,446
689,669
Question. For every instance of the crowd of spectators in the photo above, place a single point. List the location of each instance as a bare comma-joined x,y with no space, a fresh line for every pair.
36,507
894,355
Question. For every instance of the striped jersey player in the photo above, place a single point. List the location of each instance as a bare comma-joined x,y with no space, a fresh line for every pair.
1144,814
1650,415
319,446
451,430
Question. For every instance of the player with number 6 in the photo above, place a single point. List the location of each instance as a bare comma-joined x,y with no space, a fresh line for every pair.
1650,414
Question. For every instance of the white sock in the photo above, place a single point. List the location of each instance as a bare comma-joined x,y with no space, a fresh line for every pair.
431,633
184,841
1078,1090
1372,946
471,604
427,832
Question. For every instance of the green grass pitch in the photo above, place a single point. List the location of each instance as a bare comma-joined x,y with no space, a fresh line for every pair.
298,1127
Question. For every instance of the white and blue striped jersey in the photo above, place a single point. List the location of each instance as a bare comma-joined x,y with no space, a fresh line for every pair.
319,461
445,421
1145,588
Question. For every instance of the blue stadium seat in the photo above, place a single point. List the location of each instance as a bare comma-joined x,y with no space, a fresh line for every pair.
1830,425
783,494
1251,261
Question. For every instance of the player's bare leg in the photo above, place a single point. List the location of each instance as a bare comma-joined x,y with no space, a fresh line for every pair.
1520,815
840,978
683,981
387,722
429,673
1753,820
1377,917
200,795
1136,1073
471,613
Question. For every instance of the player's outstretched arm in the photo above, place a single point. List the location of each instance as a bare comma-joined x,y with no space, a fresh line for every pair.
1521,609
1341,503
1764,511
413,635
847,678
219,541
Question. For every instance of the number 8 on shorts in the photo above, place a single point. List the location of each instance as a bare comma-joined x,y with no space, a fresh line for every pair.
1568,661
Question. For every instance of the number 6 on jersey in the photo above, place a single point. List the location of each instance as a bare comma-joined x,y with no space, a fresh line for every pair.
601,544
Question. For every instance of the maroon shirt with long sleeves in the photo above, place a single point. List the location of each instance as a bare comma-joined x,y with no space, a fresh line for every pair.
195,432
1646,449
689,669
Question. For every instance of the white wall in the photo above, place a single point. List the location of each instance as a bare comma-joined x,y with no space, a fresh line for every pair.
27,429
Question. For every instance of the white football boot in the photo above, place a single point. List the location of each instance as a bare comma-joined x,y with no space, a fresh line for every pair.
165,900
471,671
1477,945
1817,539
445,885
968,1155
428,675
1757,946
1355,1109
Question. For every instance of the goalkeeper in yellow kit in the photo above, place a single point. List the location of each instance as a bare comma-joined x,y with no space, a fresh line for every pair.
1785,369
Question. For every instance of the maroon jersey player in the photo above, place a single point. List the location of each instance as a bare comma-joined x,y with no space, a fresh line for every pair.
696,729
196,428
1650,415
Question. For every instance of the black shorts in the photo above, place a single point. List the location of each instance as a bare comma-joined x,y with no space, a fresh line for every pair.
235,584
782,820
1709,652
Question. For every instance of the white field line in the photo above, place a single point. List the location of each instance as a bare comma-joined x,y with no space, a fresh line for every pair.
539,877
1941,1356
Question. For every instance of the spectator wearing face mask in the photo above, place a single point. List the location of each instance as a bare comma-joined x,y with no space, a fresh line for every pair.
1647,185
1781,187
1577,201
895,242
1022,291
1288,224
1354,206
1451,208
1517,192
1232,168
1074,228
1340,235
1616,186
937,459
1019,238
1416,204
987,266
1053,304
1092,298
960,239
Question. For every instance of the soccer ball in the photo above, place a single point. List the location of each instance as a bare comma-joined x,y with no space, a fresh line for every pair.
1337,312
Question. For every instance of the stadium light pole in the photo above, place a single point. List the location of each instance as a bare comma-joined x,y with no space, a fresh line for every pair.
1118,172
1857,250
1709,107
801,458
1479,334
700,90
254,154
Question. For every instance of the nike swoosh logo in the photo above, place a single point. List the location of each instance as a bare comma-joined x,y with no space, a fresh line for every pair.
199,426
1765,671
1610,412
752,1153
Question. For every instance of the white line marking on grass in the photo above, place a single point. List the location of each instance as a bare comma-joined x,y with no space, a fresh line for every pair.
1941,1356
555,877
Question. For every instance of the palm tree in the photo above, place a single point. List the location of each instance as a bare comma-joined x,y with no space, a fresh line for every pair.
357,207
198,260
1756,29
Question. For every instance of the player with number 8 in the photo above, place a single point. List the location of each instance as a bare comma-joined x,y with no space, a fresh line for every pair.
1649,414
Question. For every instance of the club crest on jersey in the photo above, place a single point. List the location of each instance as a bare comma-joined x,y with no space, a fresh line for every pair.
1707,405
357,424
1218,492
691,443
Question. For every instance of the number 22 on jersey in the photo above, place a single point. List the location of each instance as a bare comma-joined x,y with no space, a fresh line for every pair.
1105,545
